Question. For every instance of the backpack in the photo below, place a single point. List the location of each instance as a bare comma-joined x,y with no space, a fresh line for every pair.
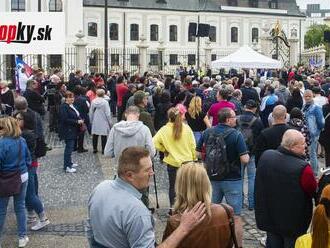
246,130
216,162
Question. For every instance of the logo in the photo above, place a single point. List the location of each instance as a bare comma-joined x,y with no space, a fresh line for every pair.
23,33
32,33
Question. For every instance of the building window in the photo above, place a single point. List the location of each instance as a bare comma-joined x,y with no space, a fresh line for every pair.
234,34
232,2
92,29
191,37
17,5
213,34
255,34
173,33
113,31
134,32
114,59
253,3
153,59
173,59
213,57
134,59
153,32
55,6
273,4
191,59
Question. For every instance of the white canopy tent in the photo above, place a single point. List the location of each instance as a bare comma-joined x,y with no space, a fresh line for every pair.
246,57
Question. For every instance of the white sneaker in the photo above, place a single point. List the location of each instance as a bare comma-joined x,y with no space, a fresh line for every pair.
70,170
40,225
74,165
23,241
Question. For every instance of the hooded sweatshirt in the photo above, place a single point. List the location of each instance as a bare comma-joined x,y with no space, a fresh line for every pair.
125,134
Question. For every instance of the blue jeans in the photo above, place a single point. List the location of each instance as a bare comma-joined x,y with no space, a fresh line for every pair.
32,200
278,241
251,175
197,136
19,206
313,155
231,190
69,147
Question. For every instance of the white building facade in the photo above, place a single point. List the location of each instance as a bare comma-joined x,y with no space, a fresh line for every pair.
161,27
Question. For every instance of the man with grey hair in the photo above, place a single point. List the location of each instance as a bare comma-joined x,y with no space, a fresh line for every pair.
315,123
284,176
270,138
33,97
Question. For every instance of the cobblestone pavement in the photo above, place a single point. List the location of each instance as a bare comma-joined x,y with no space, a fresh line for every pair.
66,195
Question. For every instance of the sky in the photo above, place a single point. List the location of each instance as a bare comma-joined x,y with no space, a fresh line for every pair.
325,4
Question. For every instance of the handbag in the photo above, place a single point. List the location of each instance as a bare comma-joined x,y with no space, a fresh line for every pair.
10,182
82,127
231,224
41,148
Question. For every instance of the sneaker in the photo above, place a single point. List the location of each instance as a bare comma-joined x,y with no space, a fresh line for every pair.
22,242
40,225
74,165
70,170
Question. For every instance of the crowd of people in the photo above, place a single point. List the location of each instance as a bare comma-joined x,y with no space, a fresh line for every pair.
270,125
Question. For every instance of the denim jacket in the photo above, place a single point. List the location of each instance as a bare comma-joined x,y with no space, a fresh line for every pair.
9,150
314,119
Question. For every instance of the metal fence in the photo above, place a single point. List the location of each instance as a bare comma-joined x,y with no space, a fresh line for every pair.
66,63
120,59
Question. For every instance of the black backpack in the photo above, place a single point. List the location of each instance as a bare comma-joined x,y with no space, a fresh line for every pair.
216,162
246,130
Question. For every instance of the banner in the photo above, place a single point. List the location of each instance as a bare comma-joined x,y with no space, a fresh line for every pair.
21,75
32,33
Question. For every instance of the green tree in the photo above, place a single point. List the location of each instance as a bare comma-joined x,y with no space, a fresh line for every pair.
314,35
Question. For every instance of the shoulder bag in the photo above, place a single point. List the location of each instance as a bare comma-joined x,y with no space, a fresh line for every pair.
231,224
10,182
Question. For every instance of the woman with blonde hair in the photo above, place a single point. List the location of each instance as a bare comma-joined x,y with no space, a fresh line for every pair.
193,185
197,120
176,141
15,160
320,228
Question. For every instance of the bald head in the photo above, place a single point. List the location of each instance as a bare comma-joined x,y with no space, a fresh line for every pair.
294,141
279,114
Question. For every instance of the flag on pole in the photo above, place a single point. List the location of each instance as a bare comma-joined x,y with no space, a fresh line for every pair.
20,64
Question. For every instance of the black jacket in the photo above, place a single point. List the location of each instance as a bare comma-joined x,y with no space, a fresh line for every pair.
80,104
35,101
281,205
248,93
68,128
270,138
256,127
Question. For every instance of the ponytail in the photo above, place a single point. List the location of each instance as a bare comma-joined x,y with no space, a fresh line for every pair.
320,229
174,116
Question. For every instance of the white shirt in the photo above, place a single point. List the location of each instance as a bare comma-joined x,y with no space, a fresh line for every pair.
320,100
